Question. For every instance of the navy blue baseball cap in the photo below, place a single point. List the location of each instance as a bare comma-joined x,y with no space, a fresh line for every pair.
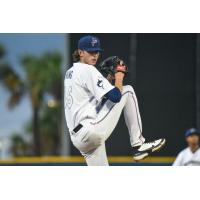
89,43
191,131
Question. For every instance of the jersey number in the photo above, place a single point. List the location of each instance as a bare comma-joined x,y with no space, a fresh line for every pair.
69,98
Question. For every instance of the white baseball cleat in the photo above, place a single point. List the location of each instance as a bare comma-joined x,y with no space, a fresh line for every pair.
147,148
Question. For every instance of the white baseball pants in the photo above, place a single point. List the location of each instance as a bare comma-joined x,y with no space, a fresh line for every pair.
90,140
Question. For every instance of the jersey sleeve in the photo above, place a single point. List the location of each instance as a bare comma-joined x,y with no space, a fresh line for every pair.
178,160
97,84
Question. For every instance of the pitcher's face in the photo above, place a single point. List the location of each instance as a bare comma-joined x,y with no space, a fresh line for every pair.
89,58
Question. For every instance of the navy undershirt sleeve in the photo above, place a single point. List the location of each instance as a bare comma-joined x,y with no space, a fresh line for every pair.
114,95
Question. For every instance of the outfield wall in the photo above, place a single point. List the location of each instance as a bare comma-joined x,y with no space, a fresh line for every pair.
79,161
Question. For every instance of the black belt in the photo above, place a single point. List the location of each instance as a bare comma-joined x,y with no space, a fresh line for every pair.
77,128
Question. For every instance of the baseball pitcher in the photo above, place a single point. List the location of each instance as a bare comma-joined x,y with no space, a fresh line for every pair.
94,100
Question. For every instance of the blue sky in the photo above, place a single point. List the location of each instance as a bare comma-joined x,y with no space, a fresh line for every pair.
16,45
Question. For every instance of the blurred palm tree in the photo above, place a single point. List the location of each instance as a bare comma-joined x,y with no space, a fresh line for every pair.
42,76
54,87
50,126
11,80
19,146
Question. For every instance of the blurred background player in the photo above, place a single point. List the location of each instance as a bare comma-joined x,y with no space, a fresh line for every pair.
191,155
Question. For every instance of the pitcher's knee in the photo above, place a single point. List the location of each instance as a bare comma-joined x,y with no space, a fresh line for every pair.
127,88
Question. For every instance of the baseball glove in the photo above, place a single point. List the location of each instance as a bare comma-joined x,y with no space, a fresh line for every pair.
112,65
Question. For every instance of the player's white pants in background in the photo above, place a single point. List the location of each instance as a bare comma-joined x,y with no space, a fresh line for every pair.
90,140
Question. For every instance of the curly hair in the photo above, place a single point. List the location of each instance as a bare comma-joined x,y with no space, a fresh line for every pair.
76,56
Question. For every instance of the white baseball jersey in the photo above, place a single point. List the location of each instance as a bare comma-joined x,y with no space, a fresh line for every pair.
84,87
187,158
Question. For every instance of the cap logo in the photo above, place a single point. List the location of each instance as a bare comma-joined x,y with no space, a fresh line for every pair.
94,41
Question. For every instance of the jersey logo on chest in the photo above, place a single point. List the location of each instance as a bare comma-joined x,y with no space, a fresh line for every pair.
100,83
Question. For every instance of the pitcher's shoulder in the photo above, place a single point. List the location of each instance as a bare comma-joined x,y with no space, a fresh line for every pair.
184,151
85,68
